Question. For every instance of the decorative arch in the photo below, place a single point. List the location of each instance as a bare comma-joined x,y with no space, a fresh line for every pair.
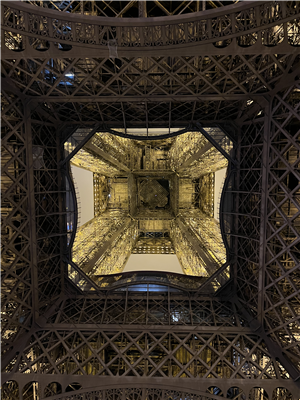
282,393
258,393
52,389
10,390
31,391
235,393
151,392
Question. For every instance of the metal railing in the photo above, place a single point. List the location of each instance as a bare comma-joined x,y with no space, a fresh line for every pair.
268,22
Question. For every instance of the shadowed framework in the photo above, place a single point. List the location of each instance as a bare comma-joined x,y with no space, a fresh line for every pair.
238,69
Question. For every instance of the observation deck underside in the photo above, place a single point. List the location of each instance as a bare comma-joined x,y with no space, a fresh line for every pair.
155,194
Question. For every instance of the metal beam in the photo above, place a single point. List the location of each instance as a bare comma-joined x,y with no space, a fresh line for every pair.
142,9
210,266
81,144
88,267
214,143
151,98
264,212
158,3
132,194
105,156
196,156
273,347
31,211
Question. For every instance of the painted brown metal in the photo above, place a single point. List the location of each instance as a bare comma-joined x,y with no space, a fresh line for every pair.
241,342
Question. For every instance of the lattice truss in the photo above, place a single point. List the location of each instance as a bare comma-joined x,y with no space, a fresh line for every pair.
153,243
281,279
161,355
270,260
15,249
93,234
55,339
208,233
188,257
189,77
75,356
134,393
204,196
255,26
129,8
100,191
88,161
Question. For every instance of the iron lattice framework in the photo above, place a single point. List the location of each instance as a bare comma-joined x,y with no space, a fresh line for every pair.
65,71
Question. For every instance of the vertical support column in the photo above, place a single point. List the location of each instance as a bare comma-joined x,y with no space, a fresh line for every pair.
108,244
132,185
236,211
31,210
263,214
25,38
142,8
3,32
202,259
62,215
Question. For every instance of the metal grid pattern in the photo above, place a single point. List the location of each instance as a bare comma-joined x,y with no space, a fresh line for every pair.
43,308
129,8
153,243
100,191
163,392
208,233
248,203
244,25
89,161
115,147
95,237
190,260
193,155
151,309
110,95
15,247
281,280
177,354
236,352
116,257
204,197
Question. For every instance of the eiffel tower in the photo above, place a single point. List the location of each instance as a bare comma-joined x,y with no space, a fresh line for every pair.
175,275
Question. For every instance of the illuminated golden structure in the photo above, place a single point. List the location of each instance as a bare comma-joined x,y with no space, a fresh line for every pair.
170,183
89,161
91,237
100,185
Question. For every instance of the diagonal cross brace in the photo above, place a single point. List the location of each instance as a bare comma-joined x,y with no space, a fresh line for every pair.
204,132
84,140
